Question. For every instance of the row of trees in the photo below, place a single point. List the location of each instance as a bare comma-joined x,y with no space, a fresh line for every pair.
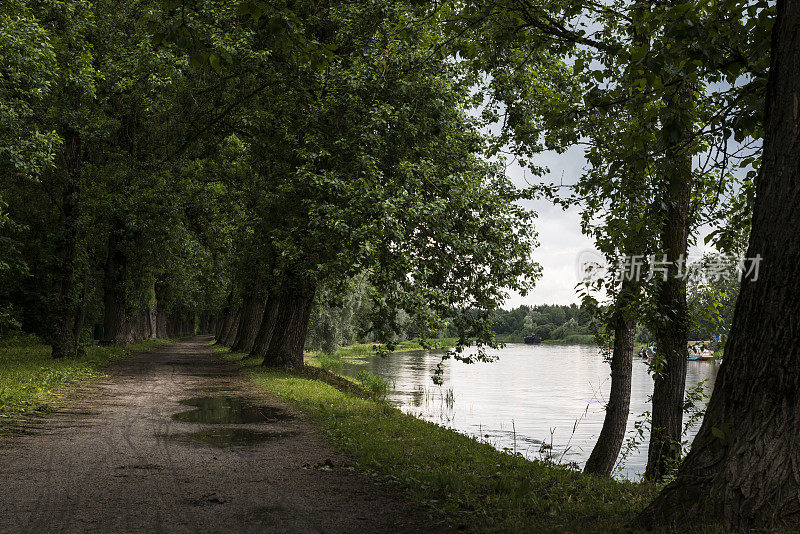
710,303
546,321
667,97
169,162
656,93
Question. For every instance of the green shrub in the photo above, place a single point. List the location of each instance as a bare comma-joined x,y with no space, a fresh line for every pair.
330,363
545,331
376,385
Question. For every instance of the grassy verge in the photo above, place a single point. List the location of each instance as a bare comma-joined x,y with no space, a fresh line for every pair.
30,378
361,350
366,349
466,484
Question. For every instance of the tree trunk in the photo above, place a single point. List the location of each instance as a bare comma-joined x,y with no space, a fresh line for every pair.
605,452
151,315
285,348
227,322
219,325
252,313
230,336
267,327
64,344
159,290
161,323
152,318
743,471
114,297
671,330
136,327
203,324
143,324
81,318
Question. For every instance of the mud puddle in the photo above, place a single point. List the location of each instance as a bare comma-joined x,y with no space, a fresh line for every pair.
229,410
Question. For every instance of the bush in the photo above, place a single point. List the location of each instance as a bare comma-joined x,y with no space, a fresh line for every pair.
330,363
545,331
376,385
560,333
20,340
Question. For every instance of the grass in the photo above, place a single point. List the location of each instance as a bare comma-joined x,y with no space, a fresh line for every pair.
366,349
466,484
30,379
333,362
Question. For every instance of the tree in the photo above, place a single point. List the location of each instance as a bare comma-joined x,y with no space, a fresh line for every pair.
25,150
740,470
712,296
67,112
373,168
671,78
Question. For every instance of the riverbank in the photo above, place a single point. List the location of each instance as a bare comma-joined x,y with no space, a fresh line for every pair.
366,349
30,379
361,350
469,484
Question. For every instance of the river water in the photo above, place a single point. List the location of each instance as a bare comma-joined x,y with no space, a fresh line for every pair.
538,400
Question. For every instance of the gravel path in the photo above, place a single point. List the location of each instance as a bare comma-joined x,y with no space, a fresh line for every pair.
114,459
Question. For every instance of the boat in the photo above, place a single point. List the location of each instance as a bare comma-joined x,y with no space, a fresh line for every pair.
532,340
700,356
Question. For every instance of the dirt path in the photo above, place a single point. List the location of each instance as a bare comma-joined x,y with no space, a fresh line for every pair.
115,460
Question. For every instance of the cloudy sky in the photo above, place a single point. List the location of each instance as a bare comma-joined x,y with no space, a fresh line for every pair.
560,238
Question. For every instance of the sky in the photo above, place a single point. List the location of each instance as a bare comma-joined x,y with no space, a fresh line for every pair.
561,243
560,239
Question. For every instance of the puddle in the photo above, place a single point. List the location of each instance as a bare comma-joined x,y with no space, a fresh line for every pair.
228,410
229,437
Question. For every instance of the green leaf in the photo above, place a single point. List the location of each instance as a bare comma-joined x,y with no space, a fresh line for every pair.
213,60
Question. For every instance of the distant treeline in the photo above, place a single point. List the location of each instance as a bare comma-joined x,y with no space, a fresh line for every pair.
568,323
347,322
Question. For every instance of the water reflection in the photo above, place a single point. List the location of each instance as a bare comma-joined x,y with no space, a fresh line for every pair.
228,410
532,398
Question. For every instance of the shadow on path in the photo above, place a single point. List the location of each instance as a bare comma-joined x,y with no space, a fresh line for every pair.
176,440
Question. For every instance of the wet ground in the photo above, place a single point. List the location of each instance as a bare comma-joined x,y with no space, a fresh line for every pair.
177,441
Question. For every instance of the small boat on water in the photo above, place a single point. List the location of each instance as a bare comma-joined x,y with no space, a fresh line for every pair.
699,355
693,355
532,340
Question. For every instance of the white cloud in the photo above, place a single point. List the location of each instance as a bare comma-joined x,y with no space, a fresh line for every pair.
560,237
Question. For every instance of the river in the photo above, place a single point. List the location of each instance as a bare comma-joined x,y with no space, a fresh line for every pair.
543,401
